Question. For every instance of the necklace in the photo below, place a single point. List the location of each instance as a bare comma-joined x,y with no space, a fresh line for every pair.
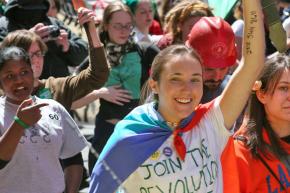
172,124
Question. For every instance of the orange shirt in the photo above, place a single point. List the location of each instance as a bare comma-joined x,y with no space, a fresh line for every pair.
244,174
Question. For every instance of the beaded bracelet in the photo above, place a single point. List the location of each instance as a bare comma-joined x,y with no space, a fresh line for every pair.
20,122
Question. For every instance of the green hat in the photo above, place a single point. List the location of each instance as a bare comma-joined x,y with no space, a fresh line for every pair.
132,4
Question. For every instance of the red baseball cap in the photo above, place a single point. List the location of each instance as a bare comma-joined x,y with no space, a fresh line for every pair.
214,40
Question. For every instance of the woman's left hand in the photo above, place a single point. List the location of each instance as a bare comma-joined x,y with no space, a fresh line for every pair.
86,15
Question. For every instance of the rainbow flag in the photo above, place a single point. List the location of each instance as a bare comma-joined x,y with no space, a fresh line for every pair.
135,138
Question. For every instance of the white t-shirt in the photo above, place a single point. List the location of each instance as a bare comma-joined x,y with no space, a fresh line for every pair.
201,170
35,166
238,27
140,37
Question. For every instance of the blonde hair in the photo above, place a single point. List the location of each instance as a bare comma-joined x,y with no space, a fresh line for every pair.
183,11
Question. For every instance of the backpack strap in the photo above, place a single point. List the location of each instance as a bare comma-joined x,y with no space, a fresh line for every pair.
271,171
244,140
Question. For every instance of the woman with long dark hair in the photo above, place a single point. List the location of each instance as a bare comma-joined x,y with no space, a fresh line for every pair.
261,161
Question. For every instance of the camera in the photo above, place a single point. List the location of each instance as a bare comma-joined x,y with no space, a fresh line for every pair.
53,31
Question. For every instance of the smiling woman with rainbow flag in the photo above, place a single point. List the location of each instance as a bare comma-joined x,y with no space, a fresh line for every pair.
174,144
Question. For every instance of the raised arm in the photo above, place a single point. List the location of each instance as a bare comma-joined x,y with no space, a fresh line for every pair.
93,77
236,94
85,18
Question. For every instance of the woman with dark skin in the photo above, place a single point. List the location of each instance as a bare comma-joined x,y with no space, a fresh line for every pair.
67,89
34,134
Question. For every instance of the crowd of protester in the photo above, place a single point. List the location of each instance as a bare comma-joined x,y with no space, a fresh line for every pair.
189,101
